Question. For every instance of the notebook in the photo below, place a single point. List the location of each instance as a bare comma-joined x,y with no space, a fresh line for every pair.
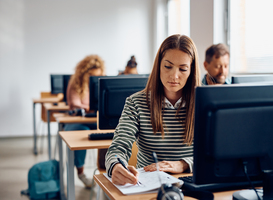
149,182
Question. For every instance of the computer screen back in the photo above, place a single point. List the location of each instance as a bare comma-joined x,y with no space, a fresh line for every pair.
56,83
112,95
66,79
251,78
93,88
93,92
233,128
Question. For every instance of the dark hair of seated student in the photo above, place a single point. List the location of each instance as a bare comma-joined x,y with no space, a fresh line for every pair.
131,67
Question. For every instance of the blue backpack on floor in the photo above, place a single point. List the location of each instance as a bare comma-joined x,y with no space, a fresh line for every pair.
44,181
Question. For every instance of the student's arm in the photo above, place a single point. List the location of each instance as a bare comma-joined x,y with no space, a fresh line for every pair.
121,176
121,147
73,99
172,166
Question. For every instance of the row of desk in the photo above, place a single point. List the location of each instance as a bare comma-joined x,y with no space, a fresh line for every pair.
75,140
61,107
78,140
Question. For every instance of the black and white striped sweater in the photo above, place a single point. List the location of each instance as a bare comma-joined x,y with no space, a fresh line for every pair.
135,125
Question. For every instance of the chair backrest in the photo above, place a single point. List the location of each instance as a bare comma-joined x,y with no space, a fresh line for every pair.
133,160
101,158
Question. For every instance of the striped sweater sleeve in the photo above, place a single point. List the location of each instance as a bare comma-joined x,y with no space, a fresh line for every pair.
124,136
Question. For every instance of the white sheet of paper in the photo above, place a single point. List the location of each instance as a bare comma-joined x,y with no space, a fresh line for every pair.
149,182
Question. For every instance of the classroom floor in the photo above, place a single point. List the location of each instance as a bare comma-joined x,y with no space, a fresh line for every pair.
16,158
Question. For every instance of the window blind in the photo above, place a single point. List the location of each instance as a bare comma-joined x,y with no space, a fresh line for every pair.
251,36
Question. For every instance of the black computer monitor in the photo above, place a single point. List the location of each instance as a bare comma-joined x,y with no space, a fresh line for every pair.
251,78
93,88
112,95
233,128
134,75
93,92
56,83
66,79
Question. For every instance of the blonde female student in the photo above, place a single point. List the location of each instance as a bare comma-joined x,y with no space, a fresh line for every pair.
161,117
78,97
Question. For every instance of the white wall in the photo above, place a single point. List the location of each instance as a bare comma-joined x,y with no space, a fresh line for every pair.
161,25
207,25
38,38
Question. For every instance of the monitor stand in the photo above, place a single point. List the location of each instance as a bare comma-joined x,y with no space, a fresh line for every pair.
247,195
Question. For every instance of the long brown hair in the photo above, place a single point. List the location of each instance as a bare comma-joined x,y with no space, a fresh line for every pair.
80,80
155,89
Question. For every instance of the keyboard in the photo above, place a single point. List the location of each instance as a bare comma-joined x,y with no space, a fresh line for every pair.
189,185
81,112
187,179
91,115
101,136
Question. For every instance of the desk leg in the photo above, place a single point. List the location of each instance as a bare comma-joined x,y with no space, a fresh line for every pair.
34,131
61,167
98,193
48,135
70,175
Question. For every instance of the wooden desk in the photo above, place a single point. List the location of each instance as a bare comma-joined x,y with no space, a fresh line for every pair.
46,100
67,119
56,115
76,140
41,101
76,119
61,107
114,194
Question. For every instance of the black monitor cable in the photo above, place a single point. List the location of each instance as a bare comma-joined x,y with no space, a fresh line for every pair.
245,171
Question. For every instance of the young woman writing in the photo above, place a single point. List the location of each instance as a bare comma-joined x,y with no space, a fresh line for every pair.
161,117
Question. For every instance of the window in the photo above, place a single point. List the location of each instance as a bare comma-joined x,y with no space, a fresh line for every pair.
251,36
179,17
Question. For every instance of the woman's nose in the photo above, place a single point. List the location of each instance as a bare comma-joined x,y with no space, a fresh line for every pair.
175,73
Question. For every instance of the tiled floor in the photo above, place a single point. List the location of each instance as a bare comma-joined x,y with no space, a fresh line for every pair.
16,158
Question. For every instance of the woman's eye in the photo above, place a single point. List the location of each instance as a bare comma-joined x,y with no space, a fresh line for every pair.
168,67
182,70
